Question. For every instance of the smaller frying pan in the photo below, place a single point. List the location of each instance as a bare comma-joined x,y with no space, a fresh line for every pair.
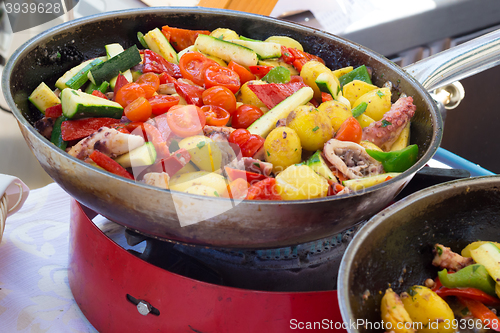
395,246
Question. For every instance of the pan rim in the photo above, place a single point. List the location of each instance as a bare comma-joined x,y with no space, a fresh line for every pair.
436,119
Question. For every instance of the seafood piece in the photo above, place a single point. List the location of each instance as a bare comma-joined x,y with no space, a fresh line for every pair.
252,165
446,258
108,141
351,159
158,179
386,131
218,131
220,134
44,126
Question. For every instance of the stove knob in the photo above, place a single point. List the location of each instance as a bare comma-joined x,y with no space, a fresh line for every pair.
144,308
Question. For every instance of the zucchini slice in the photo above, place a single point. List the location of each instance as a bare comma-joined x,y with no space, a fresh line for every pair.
225,50
267,122
43,97
158,43
111,51
61,82
77,104
264,50
107,70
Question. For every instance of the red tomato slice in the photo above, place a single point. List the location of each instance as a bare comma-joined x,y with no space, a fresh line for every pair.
249,148
263,190
242,72
192,66
160,104
245,116
350,130
153,62
186,120
192,94
138,110
215,115
129,93
216,75
220,96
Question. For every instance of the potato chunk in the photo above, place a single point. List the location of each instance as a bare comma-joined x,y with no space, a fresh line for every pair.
394,315
282,148
299,182
313,126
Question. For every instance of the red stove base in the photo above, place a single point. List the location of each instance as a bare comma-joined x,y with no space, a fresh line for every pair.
106,281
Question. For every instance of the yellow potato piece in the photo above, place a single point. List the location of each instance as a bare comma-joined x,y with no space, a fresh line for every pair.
282,148
205,153
285,41
364,120
403,140
342,71
379,102
226,34
183,182
425,307
313,126
369,145
203,190
338,112
300,182
247,96
355,89
310,72
394,315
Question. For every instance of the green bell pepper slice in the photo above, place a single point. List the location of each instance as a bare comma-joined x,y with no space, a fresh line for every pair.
473,276
360,73
278,74
396,161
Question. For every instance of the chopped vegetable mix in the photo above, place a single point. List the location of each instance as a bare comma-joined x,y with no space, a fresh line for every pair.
265,116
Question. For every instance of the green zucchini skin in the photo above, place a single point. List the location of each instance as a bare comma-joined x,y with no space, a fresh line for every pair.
112,67
56,136
77,104
81,77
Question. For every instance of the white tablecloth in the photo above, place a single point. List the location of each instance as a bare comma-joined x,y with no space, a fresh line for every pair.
34,293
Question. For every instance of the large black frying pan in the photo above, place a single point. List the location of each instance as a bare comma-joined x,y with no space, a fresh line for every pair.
395,246
149,210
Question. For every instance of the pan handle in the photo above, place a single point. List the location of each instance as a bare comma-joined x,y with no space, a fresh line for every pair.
458,62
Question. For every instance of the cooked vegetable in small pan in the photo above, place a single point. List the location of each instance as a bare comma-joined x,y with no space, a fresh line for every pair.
218,114
463,296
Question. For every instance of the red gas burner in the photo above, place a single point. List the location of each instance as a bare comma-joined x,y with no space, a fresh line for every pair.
120,292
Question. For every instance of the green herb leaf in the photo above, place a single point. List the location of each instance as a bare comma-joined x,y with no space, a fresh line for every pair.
268,153
386,123
380,94
439,250
412,292
257,165
315,128
216,194
200,144
221,37
359,109
474,268
464,312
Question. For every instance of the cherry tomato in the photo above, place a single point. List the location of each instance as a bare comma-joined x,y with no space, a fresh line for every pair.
238,188
249,143
129,93
192,66
249,148
138,110
220,96
350,130
149,83
239,137
149,79
245,116
216,75
216,116
242,72
186,120
259,70
162,103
